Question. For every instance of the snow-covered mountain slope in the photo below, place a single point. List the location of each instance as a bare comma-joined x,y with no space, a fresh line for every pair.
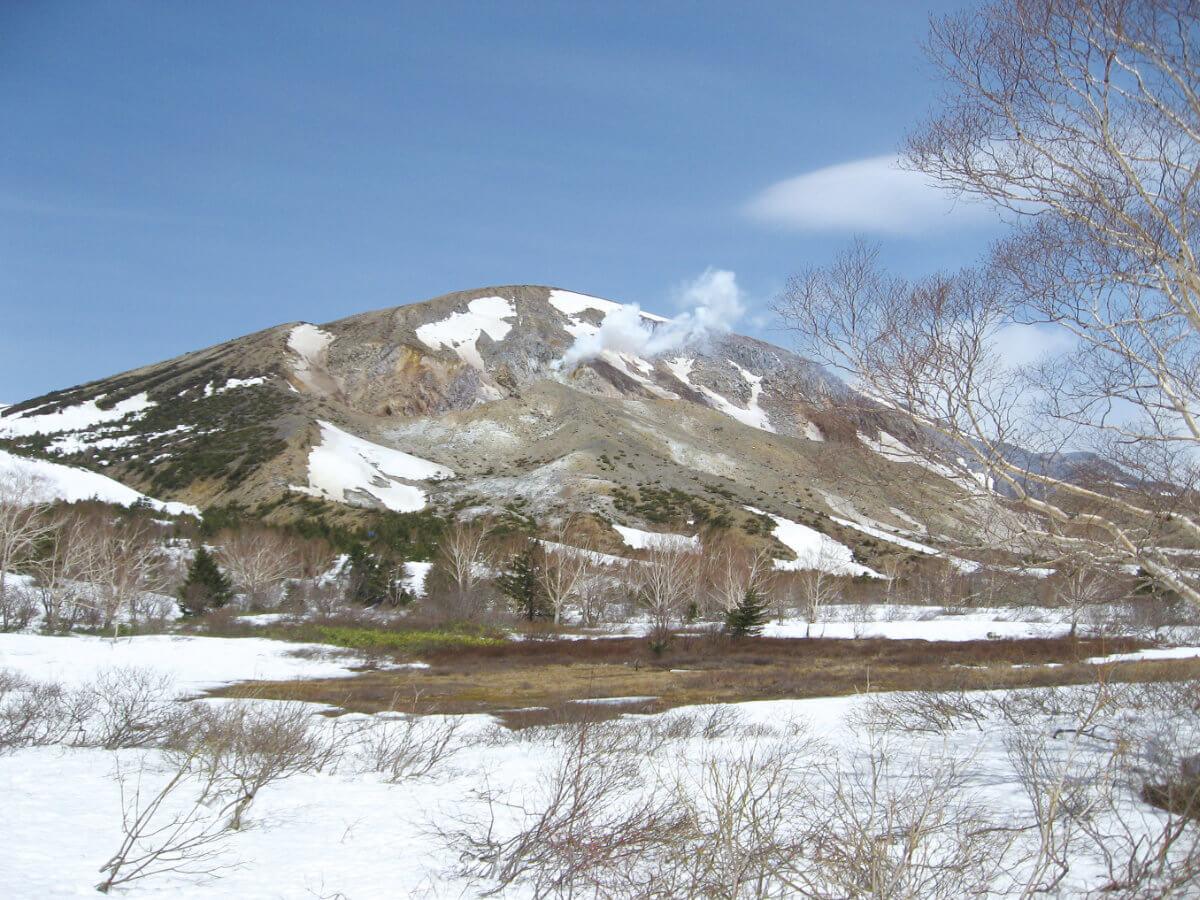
464,401
41,481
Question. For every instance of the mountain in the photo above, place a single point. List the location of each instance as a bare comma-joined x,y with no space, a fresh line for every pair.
459,402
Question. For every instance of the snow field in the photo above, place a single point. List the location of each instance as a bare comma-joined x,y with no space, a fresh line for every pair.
648,540
72,418
461,330
342,466
48,482
347,831
813,549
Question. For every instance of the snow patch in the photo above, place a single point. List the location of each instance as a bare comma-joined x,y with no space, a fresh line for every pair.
461,330
310,346
813,549
343,467
234,384
49,482
191,663
649,540
73,418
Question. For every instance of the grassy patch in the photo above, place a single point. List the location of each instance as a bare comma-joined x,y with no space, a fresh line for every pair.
408,643
477,673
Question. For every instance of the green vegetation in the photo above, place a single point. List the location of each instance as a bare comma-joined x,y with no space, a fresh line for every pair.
410,643
669,506
206,586
747,618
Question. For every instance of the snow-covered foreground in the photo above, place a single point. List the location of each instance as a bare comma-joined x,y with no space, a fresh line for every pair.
347,831
190,663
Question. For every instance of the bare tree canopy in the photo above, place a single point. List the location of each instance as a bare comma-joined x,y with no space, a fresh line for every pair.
1080,122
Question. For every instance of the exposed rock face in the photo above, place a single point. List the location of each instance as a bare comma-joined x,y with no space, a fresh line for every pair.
468,382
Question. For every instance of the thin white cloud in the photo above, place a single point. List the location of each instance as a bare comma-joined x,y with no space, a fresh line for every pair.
1024,345
865,195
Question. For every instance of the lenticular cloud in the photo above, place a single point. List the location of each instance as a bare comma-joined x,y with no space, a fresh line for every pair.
713,305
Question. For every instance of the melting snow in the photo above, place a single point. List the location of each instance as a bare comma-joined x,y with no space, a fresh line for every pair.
343,466
50,481
813,549
415,575
461,330
571,304
73,418
753,415
233,384
647,540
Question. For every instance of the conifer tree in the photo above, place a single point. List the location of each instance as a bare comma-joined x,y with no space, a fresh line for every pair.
747,618
521,583
369,581
206,586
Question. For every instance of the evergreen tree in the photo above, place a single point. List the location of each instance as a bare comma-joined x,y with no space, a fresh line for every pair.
205,587
747,618
521,583
369,582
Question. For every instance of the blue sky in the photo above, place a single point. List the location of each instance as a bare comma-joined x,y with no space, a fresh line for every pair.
178,174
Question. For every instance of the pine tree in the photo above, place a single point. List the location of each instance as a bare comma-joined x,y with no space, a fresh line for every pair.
747,618
369,582
205,587
521,583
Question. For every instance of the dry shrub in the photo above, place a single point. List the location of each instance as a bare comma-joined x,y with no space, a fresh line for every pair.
586,829
409,746
127,708
244,746
168,831
923,711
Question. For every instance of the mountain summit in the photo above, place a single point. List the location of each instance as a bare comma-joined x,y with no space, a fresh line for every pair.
463,401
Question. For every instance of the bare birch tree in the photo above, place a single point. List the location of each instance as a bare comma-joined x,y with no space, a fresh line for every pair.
731,567
1080,122
464,560
567,562
258,560
666,583
23,522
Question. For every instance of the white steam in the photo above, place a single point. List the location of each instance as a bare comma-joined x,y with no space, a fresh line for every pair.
713,305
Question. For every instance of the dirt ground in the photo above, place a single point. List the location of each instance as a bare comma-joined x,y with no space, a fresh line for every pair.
534,682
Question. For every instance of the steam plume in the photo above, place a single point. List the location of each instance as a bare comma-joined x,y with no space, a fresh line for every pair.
713,306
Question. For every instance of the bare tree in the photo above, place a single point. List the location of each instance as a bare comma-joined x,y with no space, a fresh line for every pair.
464,562
731,567
566,567
665,583
23,522
125,564
62,571
1081,122
1080,586
167,831
258,560
818,588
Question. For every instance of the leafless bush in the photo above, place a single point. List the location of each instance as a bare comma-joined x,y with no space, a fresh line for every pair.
17,607
318,597
411,746
924,711
167,832
592,821
890,827
127,708
244,746
35,714
744,830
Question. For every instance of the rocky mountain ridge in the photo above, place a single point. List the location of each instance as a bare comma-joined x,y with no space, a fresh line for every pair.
459,402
